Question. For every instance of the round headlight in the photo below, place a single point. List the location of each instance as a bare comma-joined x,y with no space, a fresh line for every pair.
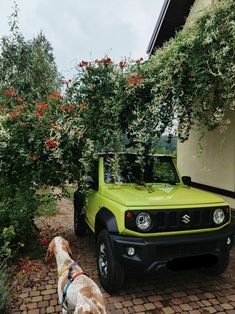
143,221
218,216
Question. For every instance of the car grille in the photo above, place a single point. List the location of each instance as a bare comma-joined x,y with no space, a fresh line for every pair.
183,219
179,219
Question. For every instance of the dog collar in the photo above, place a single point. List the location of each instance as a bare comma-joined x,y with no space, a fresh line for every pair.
66,268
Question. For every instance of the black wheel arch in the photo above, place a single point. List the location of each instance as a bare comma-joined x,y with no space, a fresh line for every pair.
105,219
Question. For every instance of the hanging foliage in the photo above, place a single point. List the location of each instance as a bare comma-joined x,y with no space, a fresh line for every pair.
193,75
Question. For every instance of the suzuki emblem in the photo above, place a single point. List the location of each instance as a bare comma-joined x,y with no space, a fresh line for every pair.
186,219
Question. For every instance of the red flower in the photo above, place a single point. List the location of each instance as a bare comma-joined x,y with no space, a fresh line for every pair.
107,60
19,98
42,106
84,64
135,80
55,95
14,114
20,107
39,113
24,123
51,144
83,106
21,263
44,241
67,107
122,64
138,60
10,92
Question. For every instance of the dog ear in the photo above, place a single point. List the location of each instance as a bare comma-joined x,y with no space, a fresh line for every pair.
68,248
50,251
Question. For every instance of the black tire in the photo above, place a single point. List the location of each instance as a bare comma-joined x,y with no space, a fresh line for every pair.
220,265
79,220
111,273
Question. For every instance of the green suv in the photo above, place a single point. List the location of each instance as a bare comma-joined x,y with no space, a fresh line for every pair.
153,224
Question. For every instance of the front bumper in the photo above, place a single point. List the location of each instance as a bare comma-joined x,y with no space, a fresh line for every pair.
153,253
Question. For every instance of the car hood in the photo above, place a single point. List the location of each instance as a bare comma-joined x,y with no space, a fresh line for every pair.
159,195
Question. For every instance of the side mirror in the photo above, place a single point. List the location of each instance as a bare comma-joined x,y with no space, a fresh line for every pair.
187,180
91,182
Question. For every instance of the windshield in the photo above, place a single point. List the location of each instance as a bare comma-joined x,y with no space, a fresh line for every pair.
127,169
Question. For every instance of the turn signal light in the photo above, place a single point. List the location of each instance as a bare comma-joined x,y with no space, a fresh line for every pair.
129,215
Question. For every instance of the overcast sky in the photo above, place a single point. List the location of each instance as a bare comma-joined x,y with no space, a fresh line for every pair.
86,29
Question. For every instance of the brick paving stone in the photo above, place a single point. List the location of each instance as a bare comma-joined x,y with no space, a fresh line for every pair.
31,306
118,305
194,305
206,303
186,307
36,299
231,297
185,292
24,295
50,309
168,310
48,291
226,306
176,301
193,298
138,308
176,308
34,293
117,312
149,306
35,311
43,304
127,303
158,305
210,310
154,298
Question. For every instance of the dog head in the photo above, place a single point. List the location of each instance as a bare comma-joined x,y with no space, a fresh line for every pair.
51,251
53,247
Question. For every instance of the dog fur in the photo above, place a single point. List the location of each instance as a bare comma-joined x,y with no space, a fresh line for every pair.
83,296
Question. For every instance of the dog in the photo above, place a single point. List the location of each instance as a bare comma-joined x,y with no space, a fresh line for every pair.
77,292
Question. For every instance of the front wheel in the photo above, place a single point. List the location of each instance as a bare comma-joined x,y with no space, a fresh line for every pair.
111,273
219,266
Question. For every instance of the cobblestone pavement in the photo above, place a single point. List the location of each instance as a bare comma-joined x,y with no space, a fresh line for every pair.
164,293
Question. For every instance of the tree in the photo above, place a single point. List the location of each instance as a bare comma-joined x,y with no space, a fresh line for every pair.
27,66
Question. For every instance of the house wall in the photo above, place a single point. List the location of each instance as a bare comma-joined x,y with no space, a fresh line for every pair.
197,7
211,160
214,164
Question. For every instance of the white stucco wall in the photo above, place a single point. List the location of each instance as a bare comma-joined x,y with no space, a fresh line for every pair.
214,165
214,162
198,6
